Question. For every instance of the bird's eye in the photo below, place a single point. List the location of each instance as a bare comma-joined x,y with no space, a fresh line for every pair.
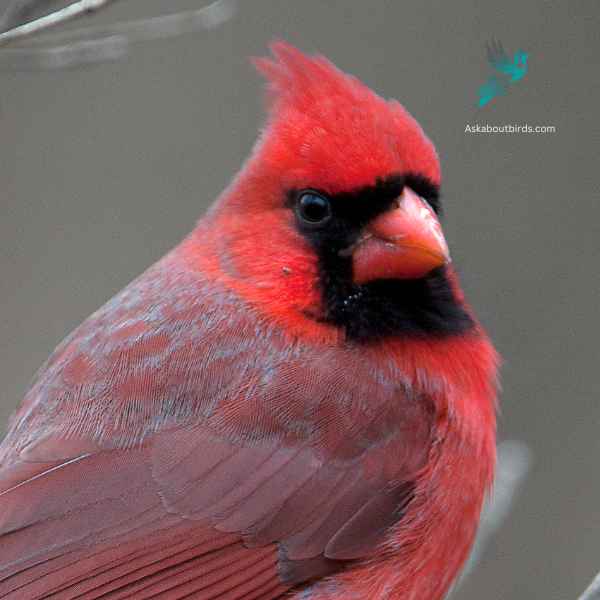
313,209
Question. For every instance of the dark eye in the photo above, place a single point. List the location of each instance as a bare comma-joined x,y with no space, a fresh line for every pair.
313,209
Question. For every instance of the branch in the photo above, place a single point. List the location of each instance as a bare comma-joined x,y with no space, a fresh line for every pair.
98,44
58,17
593,591
19,11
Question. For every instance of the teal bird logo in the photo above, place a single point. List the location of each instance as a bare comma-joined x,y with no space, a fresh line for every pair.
506,72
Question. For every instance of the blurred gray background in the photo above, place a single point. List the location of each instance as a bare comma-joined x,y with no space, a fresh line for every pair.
103,168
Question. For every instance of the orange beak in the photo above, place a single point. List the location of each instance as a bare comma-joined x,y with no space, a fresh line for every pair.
406,242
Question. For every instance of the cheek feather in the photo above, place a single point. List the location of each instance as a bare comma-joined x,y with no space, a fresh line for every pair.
271,266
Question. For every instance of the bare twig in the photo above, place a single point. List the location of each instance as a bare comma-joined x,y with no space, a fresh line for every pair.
98,44
593,591
58,17
19,11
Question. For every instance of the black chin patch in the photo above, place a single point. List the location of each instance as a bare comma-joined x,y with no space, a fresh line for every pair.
393,307
387,307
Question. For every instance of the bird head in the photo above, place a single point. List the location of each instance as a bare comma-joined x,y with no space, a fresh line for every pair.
521,57
334,218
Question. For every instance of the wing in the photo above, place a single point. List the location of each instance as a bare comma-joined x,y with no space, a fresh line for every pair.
174,445
498,58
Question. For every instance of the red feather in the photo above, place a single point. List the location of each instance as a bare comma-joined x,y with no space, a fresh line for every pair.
202,435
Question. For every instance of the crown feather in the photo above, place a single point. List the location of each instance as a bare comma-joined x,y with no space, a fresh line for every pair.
334,129
292,76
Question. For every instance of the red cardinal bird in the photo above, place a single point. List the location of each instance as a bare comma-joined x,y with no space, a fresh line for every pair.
296,399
